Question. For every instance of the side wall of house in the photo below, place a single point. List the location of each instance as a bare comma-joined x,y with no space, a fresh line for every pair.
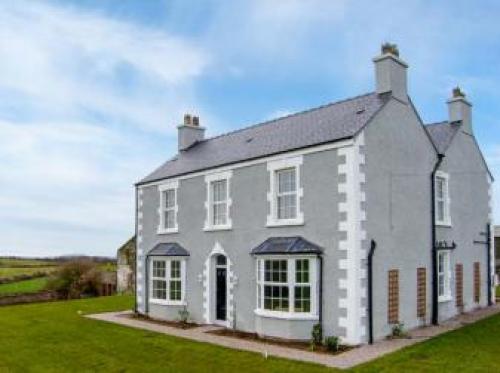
249,187
469,213
399,161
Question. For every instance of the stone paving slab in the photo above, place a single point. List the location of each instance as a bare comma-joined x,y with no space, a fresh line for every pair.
344,360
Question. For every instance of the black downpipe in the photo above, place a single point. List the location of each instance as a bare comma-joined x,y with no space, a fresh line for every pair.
370,290
488,246
146,286
320,310
435,311
135,253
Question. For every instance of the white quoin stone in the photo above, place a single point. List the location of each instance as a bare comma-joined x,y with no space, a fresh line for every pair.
391,76
460,110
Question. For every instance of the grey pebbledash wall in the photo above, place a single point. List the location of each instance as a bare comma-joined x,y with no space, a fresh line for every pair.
249,210
469,207
399,160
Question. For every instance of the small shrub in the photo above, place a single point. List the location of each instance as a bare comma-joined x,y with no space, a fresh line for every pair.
398,330
316,336
332,343
184,315
75,279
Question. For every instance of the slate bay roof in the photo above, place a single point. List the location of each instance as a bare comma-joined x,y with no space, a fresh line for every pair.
168,249
324,124
286,245
442,134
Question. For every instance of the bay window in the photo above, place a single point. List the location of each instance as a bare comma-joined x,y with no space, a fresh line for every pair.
287,287
167,281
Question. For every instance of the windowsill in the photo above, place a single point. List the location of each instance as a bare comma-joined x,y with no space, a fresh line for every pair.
444,299
443,224
286,315
284,223
167,231
215,228
167,302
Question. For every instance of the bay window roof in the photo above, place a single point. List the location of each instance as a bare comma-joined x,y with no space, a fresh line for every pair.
287,245
168,249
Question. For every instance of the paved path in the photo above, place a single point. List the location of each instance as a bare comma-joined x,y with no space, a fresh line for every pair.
345,360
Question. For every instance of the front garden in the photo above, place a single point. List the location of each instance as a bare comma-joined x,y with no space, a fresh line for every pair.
55,337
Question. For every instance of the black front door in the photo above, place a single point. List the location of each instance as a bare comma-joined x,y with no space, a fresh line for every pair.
221,294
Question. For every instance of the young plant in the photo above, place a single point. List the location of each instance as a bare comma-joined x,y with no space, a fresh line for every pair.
332,343
184,315
398,330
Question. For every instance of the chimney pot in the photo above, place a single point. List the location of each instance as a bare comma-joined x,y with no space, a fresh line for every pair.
390,49
196,121
187,119
457,92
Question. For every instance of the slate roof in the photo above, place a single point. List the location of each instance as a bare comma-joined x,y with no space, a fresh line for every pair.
442,134
168,249
286,245
328,123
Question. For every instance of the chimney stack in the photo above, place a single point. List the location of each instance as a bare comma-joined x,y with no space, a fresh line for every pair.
460,110
390,73
190,132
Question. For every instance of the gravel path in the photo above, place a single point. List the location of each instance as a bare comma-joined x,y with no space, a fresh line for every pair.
345,360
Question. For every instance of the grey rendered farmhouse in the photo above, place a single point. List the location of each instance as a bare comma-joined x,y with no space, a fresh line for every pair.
354,215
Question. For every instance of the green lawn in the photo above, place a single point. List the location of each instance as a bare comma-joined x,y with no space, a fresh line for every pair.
27,286
54,337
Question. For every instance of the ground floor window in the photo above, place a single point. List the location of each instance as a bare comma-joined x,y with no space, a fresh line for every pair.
444,276
167,280
287,285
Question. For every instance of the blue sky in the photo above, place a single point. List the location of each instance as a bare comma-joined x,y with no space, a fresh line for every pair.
91,91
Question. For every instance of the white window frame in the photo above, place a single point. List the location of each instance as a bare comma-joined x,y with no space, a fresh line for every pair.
444,275
209,202
291,283
272,197
445,199
162,188
168,279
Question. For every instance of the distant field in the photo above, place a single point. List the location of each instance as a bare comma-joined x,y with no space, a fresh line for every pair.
14,262
26,287
10,272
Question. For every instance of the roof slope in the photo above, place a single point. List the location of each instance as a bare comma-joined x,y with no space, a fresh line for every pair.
441,134
286,245
328,123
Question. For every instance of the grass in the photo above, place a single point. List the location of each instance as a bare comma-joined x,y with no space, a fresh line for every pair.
26,287
54,337
9,272
498,291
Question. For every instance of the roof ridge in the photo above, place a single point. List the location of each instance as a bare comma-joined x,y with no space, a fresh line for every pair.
288,116
436,123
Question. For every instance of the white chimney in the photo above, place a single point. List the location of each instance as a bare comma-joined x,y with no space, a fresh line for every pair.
190,132
460,110
390,73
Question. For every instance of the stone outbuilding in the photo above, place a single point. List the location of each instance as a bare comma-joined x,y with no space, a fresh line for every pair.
126,266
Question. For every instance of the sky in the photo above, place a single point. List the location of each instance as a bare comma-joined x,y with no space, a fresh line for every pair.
91,91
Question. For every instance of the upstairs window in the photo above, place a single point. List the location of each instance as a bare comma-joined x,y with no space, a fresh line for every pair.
168,208
442,200
219,202
285,193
